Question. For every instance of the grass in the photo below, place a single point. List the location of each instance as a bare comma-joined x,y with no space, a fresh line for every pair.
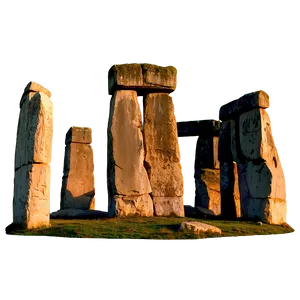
149,228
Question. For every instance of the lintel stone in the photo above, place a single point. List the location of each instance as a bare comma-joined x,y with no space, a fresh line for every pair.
203,128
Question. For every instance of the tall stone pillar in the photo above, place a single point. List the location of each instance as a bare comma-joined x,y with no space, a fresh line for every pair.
78,188
162,159
128,183
31,203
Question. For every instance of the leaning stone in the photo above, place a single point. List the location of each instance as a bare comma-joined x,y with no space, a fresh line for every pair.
203,128
168,206
198,227
134,205
207,153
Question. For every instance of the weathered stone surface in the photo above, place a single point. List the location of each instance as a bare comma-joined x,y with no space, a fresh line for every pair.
78,189
272,210
194,212
244,104
134,205
198,227
208,190
126,174
205,151
31,204
35,87
203,128
35,130
161,77
168,206
162,159
142,78
262,175
79,135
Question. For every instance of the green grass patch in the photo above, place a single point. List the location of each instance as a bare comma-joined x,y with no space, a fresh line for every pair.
165,228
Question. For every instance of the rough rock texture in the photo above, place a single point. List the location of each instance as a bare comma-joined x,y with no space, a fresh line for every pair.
203,128
207,153
229,182
262,175
35,87
198,227
142,78
134,205
79,135
31,203
247,139
207,191
162,159
78,189
35,131
244,104
126,174
272,211
168,206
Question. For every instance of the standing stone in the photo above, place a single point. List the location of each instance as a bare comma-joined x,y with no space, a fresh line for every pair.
31,204
128,183
78,189
263,174
162,159
230,195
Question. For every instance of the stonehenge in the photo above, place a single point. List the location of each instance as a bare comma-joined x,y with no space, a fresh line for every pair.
237,170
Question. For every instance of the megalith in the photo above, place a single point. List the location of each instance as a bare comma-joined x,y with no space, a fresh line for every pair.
162,159
260,175
31,203
78,188
128,183
137,184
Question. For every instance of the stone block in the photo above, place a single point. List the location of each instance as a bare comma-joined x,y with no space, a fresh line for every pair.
79,135
168,206
198,227
207,153
203,128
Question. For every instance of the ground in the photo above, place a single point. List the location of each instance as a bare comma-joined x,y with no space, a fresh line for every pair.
150,228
